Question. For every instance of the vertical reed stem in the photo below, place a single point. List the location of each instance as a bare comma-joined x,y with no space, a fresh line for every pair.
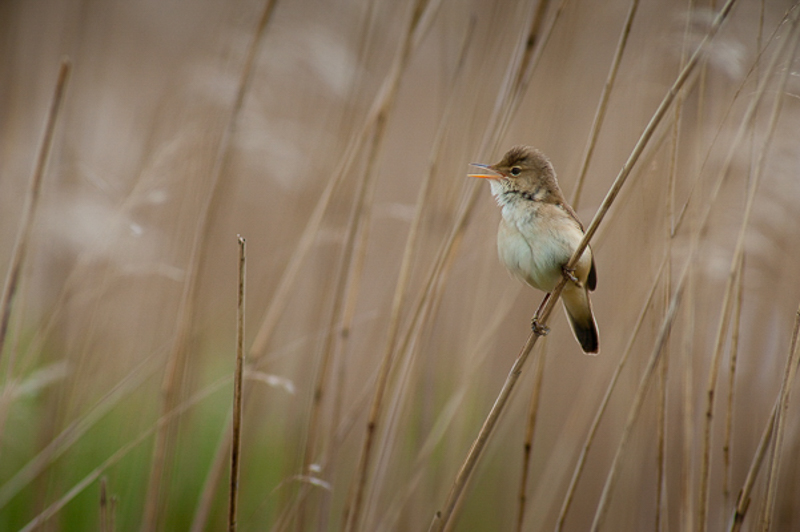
236,446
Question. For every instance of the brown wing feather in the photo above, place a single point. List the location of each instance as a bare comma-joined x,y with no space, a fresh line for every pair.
591,281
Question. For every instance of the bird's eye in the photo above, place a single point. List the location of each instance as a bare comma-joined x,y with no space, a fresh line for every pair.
516,170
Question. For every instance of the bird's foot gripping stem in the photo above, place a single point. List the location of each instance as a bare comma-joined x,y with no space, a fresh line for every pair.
539,329
569,273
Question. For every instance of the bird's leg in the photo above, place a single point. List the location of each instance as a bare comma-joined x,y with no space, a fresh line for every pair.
538,328
569,273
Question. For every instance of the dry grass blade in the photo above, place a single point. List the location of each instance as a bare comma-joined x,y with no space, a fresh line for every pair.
734,351
581,462
687,378
236,437
32,202
186,309
533,409
743,500
600,113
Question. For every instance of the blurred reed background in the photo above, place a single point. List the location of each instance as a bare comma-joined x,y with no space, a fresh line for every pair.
335,137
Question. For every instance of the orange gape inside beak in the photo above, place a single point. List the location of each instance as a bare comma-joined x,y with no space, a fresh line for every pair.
484,176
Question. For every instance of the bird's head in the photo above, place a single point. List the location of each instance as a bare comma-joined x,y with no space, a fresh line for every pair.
523,170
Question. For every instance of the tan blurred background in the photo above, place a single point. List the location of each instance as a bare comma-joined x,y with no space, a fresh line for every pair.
131,267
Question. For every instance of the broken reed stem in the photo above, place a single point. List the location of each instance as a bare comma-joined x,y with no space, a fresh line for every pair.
533,410
20,249
103,506
238,376
780,424
581,462
600,113
442,517
186,310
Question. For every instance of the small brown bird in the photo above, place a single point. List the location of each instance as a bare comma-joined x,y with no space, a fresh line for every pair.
538,233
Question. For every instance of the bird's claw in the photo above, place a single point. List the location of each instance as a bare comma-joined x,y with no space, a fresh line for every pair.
569,273
538,328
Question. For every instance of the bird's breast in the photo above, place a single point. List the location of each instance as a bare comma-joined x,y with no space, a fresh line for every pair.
536,240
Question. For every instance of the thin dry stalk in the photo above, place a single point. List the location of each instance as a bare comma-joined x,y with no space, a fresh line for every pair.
530,430
731,283
581,462
722,330
185,319
600,113
661,436
780,425
743,500
32,202
734,351
236,436
687,378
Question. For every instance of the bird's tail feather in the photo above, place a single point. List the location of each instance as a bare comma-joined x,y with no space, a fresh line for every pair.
581,318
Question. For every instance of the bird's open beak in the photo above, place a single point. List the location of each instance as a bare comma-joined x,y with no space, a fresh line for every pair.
484,176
